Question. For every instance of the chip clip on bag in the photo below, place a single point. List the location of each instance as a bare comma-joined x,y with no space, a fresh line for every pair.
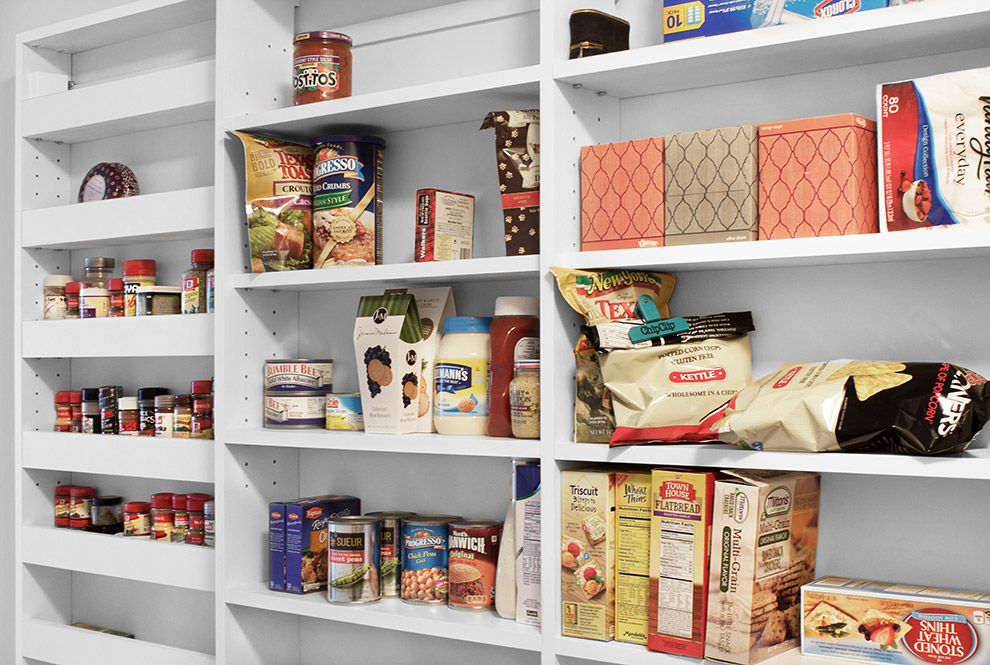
854,406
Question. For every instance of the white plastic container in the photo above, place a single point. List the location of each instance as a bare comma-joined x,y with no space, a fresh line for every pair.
460,376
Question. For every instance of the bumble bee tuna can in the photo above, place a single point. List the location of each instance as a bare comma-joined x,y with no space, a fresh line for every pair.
353,555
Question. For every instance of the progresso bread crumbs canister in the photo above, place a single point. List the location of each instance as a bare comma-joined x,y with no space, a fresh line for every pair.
347,201
472,547
390,536
353,559
424,559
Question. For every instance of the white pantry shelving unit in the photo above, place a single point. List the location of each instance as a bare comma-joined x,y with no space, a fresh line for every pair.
426,72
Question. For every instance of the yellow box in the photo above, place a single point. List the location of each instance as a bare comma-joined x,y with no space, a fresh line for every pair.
587,553
633,492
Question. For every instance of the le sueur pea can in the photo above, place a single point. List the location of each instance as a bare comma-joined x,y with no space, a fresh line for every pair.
353,555
390,537
424,559
472,547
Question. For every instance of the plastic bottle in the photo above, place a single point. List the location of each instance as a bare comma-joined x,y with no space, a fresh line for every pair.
460,376
515,335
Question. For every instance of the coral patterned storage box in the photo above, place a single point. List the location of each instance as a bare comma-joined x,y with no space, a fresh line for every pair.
622,194
818,177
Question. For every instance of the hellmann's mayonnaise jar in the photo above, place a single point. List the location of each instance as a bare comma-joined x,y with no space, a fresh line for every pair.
460,376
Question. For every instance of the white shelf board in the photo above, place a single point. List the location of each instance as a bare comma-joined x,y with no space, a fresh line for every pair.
623,653
129,21
496,267
881,35
972,464
393,614
174,335
437,104
158,98
115,455
141,559
421,444
929,244
144,218
59,644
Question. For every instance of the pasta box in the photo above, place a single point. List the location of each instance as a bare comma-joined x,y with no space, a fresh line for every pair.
818,177
877,622
306,520
622,196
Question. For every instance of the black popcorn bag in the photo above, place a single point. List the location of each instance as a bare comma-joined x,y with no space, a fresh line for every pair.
517,149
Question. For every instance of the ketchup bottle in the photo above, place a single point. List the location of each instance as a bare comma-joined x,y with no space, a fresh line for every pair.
515,335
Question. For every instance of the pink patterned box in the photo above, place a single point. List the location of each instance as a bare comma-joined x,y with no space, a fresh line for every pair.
622,194
818,177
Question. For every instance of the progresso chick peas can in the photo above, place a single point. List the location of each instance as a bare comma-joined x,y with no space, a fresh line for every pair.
424,559
473,558
353,559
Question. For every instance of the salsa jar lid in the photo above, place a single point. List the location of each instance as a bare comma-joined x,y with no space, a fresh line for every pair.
332,36
377,140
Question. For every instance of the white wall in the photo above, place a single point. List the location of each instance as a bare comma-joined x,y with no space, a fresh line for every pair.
16,16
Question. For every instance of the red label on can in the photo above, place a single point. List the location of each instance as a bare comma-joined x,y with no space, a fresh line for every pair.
473,556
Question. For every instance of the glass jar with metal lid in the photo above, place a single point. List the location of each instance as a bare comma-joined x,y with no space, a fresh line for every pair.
424,559
390,537
353,555
97,271
107,510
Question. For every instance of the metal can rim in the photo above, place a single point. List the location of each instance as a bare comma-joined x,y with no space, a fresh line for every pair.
433,519
475,524
353,519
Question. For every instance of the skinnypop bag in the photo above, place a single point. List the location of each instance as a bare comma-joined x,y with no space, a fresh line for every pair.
934,136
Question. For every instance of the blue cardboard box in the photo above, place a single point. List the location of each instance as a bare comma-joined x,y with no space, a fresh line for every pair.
276,546
306,524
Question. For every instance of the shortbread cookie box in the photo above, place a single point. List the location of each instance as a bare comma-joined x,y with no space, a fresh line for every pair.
587,553
622,195
934,147
680,543
818,177
877,622
764,540
710,185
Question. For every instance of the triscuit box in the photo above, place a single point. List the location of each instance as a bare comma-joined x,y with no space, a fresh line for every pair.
680,535
934,140
877,622
633,494
306,564
818,177
587,553
622,194
686,19
764,544
711,186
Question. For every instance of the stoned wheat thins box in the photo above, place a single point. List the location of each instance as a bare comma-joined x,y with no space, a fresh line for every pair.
622,195
711,186
818,177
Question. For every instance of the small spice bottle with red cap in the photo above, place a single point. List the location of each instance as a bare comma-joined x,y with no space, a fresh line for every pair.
63,505
194,282
75,404
180,518
72,300
116,287
81,506
137,519
162,516
202,409
196,504
63,411
137,272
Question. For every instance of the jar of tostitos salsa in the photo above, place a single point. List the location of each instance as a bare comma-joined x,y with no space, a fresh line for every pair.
321,67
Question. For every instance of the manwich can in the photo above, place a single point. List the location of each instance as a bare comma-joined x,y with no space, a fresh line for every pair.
472,547
352,558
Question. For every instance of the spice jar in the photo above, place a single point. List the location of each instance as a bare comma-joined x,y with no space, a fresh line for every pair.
54,291
63,412
80,506
108,408
524,400
210,523
182,417
321,67
116,290
129,417
158,300
94,302
137,518
194,282
211,290
164,415
180,518
63,504
91,420
460,398
196,505
75,405
202,410
72,300
97,271
146,409
137,272
162,516
107,510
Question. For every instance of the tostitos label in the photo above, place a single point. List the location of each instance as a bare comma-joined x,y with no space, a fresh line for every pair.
460,388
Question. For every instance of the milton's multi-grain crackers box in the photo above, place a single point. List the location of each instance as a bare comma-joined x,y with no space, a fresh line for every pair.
587,553
764,543
633,494
680,536
877,622
306,564
686,19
